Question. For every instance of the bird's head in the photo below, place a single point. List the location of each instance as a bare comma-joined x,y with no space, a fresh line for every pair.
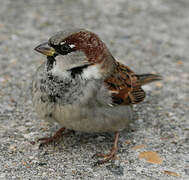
77,49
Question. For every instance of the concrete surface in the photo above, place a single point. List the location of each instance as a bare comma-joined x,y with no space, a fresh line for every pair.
147,35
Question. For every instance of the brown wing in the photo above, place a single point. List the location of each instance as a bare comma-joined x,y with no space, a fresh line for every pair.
124,85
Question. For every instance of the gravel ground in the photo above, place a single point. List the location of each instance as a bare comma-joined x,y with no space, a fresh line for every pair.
147,35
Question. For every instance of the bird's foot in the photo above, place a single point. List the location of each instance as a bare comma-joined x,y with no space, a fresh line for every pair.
109,156
52,139
106,157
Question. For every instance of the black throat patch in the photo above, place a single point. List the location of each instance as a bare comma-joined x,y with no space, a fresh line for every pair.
50,61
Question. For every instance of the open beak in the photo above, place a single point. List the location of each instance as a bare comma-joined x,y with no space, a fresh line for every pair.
45,49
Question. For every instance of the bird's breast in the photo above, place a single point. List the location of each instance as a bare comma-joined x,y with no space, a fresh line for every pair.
78,104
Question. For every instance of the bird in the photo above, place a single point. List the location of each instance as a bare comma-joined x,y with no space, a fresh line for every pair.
84,88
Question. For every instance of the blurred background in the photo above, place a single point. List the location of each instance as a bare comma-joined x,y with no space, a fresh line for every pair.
147,35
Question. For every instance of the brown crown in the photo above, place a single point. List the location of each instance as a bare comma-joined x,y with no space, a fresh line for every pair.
90,44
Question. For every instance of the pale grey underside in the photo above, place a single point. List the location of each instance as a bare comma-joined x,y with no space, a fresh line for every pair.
87,108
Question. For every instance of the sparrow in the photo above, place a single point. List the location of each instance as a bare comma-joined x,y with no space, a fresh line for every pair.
83,88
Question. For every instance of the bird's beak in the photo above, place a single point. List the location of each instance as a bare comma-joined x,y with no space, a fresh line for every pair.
45,49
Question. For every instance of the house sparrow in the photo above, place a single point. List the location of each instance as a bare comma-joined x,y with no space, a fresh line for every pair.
83,88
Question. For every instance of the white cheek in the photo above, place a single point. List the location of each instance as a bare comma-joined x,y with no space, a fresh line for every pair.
92,72
58,71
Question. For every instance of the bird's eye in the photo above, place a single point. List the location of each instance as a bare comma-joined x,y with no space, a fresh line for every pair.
65,48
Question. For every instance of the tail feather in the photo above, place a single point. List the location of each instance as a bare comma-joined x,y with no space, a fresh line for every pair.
148,78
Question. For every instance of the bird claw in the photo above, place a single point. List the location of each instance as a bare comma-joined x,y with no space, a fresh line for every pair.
106,157
52,139
47,140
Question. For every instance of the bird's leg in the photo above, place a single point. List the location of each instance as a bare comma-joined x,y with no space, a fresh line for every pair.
111,155
54,138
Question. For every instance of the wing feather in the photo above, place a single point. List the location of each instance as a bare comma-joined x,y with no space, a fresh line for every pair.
124,85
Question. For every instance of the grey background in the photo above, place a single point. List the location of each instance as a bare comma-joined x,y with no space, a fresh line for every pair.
147,35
